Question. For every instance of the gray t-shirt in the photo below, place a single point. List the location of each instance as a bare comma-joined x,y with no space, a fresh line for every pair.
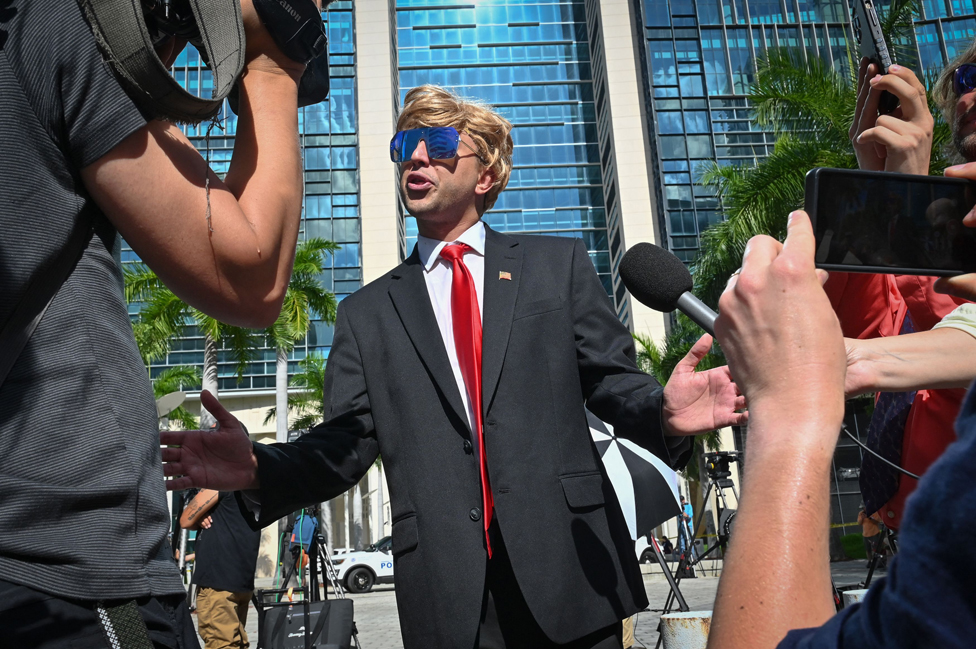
82,502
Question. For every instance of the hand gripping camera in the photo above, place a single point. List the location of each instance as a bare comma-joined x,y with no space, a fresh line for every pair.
127,31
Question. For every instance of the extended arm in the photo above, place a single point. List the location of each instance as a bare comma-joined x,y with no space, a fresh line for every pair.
334,455
940,358
776,325
326,462
152,187
198,508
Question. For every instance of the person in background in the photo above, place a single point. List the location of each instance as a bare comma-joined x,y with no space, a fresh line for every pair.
871,533
685,520
910,427
226,558
666,546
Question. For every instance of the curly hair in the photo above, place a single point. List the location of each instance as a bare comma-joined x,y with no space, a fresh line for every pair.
431,105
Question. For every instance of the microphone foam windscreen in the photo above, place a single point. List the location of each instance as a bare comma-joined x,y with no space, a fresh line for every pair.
654,276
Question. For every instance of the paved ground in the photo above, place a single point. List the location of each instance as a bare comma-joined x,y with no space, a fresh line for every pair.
376,613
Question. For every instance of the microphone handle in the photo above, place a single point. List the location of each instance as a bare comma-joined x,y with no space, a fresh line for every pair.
699,312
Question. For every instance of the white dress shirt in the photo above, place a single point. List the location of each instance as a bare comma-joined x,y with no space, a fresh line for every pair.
439,273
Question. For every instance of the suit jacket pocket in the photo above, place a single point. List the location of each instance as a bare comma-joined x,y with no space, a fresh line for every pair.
537,307
405,537
583,490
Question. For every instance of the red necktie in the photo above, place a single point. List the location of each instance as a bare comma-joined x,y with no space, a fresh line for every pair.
467,341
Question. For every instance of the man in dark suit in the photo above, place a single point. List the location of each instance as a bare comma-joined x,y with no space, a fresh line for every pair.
506,530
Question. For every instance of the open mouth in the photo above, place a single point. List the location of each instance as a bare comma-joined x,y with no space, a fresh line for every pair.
418,181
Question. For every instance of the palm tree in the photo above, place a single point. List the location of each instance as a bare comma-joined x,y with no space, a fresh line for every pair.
163,317
305,401
660,362
175,379
810,107
305,297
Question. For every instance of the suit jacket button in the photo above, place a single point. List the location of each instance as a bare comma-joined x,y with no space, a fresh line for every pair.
467,447
475,514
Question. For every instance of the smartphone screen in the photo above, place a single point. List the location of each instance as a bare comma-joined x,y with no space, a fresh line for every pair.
878,222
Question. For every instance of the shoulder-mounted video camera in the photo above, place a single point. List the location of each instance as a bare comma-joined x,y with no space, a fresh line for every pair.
128,30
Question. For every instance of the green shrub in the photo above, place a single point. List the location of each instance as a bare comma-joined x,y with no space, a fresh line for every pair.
853,545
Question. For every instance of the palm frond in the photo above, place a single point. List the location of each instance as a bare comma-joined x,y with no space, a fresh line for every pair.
305,394
793,94
174,379
898,26
184,418
140,281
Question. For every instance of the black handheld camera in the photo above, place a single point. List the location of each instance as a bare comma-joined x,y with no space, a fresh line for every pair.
295,25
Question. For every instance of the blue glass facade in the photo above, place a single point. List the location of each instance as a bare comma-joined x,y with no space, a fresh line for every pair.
531,60
329,138
701,58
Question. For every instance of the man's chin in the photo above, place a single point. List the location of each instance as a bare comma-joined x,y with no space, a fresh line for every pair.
966,146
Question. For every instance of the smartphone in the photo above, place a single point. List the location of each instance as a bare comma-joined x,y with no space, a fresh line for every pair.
871,43
900,224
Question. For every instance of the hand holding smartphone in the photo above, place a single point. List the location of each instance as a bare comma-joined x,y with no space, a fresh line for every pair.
882,222
871,43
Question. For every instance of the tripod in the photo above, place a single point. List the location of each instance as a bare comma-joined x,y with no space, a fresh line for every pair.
321,570
717,468
888,539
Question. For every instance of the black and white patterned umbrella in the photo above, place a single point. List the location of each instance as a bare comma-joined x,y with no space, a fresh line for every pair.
646,487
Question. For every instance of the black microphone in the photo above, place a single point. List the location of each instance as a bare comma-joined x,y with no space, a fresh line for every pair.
658,279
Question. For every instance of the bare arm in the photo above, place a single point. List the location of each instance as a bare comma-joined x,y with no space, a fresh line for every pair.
152,187
198,508
786,351
940,358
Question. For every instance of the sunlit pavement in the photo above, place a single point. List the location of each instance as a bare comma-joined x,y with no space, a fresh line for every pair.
378,623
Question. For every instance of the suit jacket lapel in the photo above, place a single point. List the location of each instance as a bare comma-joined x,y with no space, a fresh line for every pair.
503,266
412,302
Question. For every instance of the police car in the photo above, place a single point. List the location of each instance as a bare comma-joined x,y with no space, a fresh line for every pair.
359,570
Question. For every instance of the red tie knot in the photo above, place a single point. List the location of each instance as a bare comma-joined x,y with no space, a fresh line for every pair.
455,251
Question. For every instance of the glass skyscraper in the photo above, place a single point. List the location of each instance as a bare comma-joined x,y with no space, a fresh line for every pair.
700,60
532,61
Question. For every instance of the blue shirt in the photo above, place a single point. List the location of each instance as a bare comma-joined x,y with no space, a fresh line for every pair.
304,530
929,596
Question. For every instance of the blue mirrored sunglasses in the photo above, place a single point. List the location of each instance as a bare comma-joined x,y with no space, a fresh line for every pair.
442,143
964,79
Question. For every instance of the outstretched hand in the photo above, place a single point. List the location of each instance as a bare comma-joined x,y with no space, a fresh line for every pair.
220,459
697,402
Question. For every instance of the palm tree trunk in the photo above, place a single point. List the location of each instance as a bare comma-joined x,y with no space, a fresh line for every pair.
326,522
357,518
345,518
209,380
379,496
281,396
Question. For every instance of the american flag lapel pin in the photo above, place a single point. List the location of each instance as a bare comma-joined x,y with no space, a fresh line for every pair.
504,274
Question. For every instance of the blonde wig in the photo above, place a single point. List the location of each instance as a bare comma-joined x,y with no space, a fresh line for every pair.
430,105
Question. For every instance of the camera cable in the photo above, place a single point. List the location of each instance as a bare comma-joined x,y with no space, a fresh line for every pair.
894,466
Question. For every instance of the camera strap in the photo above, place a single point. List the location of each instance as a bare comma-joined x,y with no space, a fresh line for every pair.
124,40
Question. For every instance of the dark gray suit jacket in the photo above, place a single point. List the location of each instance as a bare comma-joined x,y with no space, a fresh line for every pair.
551,343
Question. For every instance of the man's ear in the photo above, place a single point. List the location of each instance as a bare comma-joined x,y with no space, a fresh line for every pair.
485,182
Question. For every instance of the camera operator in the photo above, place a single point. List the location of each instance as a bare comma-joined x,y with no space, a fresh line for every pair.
888,318
79,448
776,324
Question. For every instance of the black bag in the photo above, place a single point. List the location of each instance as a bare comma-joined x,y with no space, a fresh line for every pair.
328,624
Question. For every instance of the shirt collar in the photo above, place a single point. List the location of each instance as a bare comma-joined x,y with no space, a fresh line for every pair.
430,249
